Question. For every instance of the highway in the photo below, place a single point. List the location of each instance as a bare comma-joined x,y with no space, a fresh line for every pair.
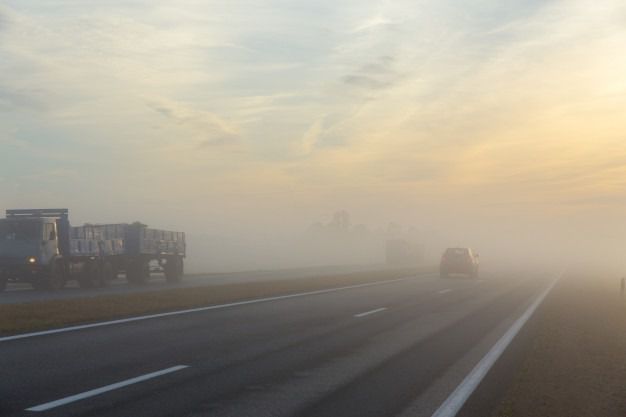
24,293
396,348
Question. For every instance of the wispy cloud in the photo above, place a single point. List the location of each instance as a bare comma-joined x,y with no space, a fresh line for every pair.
376,75
441,98
374,22
206,128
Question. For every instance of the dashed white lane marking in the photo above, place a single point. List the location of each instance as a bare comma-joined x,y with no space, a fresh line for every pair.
195,310
106,388
459,396
367,313
444,291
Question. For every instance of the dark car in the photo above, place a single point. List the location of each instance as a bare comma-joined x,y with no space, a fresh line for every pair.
459,261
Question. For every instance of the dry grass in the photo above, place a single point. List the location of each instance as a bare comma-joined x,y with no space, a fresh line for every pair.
577,362
17,318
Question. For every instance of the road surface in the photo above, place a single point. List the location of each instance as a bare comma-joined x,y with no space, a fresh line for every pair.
398,348
24,293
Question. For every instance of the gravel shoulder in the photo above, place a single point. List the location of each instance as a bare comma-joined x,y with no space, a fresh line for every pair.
576,361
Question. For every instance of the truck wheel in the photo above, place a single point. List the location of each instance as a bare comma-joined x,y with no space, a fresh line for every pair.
84,280
38,284
108,274
91,276
138,272
53,280
98,275
173,269
3,282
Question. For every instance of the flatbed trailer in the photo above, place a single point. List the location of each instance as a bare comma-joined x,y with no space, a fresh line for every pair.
41,247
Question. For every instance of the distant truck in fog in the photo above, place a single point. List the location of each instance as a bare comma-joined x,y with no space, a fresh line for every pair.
402,252
40,247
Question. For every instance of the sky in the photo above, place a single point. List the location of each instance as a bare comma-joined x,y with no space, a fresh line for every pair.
503,118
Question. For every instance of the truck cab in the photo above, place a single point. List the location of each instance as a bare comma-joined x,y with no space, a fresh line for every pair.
38,246
29,244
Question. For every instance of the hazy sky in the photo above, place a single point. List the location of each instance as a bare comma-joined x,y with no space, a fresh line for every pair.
216,115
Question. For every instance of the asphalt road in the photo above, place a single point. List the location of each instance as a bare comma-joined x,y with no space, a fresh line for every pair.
394,349
24,293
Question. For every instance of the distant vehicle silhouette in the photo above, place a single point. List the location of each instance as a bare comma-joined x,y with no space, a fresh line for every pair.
459,261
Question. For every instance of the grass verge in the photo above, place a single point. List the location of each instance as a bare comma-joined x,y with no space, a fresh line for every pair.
25,317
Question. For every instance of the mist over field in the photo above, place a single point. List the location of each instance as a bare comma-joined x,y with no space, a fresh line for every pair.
249,125
391,208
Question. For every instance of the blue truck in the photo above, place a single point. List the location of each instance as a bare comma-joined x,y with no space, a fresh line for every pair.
40,247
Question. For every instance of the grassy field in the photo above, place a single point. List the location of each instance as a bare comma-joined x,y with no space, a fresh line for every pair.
18,318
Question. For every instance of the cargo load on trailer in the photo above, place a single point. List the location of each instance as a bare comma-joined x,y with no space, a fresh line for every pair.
41,248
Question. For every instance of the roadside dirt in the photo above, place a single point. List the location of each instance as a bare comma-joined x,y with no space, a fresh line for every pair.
576,364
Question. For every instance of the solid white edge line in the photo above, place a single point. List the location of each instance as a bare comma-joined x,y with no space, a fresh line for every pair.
367,313
106,388
459,396
194,310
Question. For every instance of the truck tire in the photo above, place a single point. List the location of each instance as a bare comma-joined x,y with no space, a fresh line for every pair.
138,272
57,278
173,269
53,280
108,274
84,279
91,276
38,284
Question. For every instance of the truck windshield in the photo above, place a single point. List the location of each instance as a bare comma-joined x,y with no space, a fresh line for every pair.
20,230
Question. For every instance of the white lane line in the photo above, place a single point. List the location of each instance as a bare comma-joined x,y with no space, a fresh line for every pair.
444,291
455,401
106,388
194,310
367,313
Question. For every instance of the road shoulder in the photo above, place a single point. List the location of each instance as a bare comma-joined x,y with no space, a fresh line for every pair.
570,361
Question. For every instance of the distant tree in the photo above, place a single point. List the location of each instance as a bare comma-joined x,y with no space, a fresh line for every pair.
394,230
340,222
360,230
316,228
